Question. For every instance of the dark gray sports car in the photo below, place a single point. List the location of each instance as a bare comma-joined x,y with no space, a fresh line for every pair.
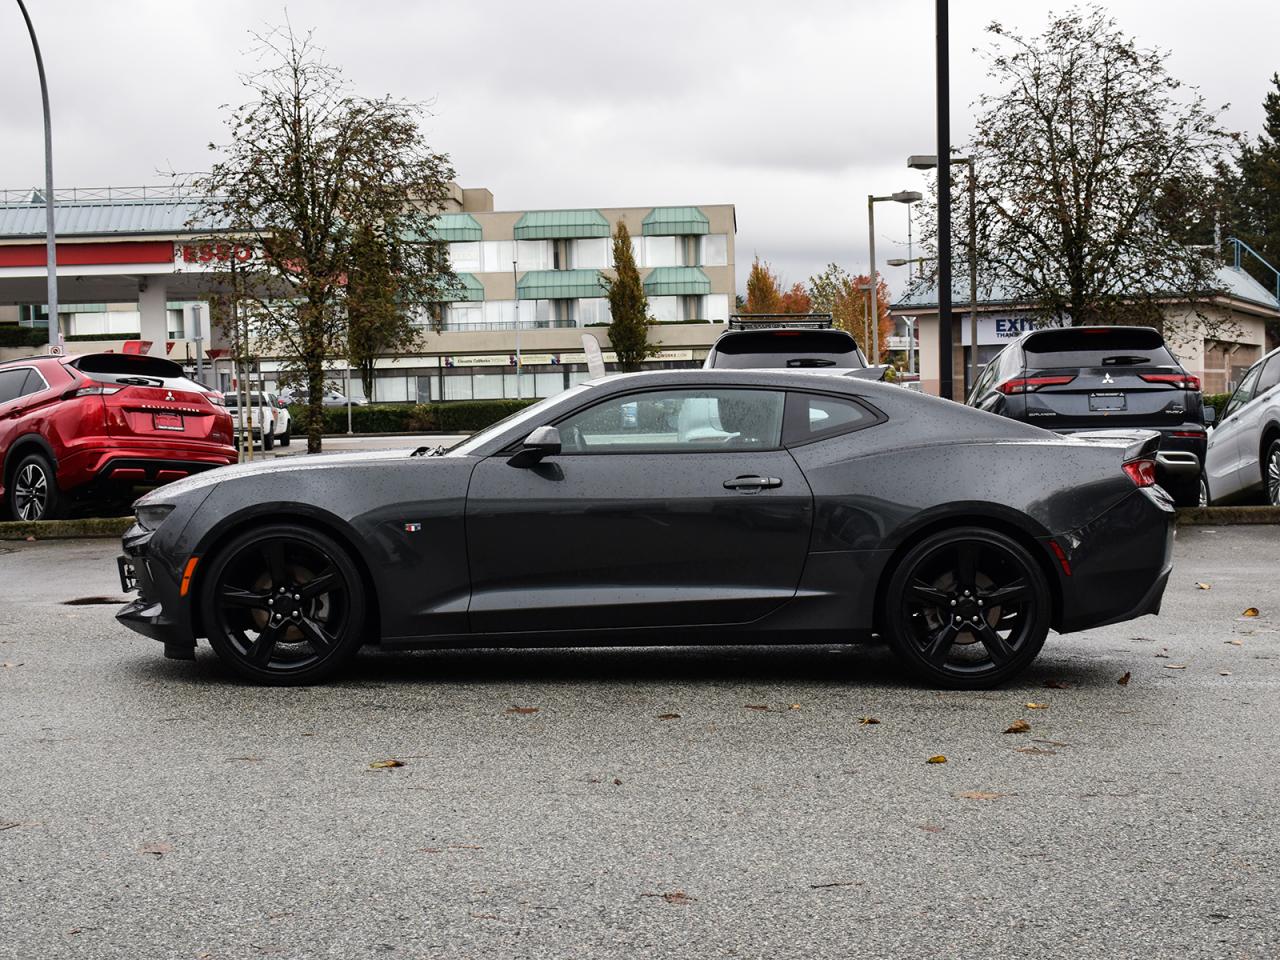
706,506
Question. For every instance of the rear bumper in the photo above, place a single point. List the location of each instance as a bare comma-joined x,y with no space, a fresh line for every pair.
138,464
1120,562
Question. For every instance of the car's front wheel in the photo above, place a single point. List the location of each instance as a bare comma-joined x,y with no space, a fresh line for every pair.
286,436
967,608
33,490
1271,473
1206,499
283,605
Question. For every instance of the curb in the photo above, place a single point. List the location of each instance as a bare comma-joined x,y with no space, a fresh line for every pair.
89,527
1214,516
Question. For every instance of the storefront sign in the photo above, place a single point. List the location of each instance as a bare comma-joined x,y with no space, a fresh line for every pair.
994,328
211,256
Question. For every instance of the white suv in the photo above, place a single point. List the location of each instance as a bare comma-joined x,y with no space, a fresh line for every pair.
1244,448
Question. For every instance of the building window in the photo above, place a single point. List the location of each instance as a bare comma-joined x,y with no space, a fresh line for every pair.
500,312
464,256
534,255
486,386
537,312
463,316
662,252
496,255
714,250
664,309
592,310
715,307
590,254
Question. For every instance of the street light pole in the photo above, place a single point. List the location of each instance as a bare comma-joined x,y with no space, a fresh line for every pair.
51,236
515,293
945,325
195,315
902,196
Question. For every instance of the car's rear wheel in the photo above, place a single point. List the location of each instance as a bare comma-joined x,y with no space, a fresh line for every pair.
283,605
33,490
285,437
268,438
1271,473
967,608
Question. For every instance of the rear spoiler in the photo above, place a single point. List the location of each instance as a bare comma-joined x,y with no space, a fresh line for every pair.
1139,444
869,373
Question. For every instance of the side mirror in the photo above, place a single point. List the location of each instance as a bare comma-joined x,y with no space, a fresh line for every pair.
1210,413
543,442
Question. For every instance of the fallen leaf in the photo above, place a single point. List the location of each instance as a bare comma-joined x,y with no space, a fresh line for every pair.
868,721
755,706
1124,681
931,828
1037,706
429,850
1144,640
1224,673
1235,643
796,706
678,897
1250,612
247,759
464,846
668,716
1018,726
838,883
938,759
617,782
156,850
980,795
1038,751
1052,743
1057,685
522,710
7,665
1203,586
1175,666
385,764
31,539
1163,653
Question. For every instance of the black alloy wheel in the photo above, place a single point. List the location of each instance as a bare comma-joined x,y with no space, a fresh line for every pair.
1271,473
33,490
967,608
283,605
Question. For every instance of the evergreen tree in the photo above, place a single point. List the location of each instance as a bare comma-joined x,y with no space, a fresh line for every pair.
629,331
1253,192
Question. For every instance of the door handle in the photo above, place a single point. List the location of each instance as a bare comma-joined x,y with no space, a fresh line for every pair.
752,484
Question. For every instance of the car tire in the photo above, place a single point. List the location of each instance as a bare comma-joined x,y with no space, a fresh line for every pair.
1271,474
1206,498
33,490
268,439
967,608
285,437
283,605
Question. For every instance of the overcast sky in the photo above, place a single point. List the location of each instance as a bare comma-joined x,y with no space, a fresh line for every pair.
792,111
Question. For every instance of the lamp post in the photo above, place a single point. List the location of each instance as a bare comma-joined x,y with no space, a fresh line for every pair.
928,162
195,316
515,293
50,233
902,196
942,78
909,321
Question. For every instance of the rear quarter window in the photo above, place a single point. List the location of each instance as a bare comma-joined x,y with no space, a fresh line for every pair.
812,416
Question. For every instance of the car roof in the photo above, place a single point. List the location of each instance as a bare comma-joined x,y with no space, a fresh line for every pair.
835,381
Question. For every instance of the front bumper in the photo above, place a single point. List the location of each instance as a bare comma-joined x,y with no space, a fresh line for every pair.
160,611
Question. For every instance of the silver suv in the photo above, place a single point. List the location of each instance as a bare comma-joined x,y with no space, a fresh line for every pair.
1244,449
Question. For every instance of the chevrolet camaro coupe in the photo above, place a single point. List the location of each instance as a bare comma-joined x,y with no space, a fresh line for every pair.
690,506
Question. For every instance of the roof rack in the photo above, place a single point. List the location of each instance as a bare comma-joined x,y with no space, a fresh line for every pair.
765,321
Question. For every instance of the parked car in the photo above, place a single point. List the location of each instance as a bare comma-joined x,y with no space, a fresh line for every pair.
1071,379
72,428
794,342
331,398
259,417
284,422
1243,461
667,507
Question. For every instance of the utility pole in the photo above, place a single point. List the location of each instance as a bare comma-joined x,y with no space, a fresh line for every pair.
945,322
50,231
195,316
515,293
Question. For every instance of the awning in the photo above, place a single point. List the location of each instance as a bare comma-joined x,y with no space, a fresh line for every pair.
468,288
559,285
455,228
675,222
676,281
559,224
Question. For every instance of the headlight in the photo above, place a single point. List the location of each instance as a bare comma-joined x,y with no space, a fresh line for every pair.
149,515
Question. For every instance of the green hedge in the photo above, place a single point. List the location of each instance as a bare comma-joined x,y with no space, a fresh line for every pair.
23,336
461,416
101,337
1218,401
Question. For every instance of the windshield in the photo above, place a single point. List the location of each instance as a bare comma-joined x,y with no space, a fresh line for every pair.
774,349
1097,347
528,414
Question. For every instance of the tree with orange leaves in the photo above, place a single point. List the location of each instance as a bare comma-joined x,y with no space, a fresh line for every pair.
844,296
765,294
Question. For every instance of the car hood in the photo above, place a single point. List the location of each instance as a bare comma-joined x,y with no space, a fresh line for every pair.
296,462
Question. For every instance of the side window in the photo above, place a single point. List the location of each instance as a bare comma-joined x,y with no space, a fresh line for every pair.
677,421
988,375
811,416
1244,392
11,382
1270,376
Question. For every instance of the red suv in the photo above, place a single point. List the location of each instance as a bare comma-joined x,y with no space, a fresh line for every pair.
71,426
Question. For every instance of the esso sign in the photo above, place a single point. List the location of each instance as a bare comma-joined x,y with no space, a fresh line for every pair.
211,256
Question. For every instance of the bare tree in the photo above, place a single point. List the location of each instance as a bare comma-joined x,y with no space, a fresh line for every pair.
327,182
1092,162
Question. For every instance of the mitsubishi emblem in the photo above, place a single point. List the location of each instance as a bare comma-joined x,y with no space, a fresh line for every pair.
170,396
1106,378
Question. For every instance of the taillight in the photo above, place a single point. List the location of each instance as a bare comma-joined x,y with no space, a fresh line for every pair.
217,399
1032,384
91,390
1183,381
1141,472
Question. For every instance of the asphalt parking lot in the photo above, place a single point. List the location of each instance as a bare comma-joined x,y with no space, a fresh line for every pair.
723,802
